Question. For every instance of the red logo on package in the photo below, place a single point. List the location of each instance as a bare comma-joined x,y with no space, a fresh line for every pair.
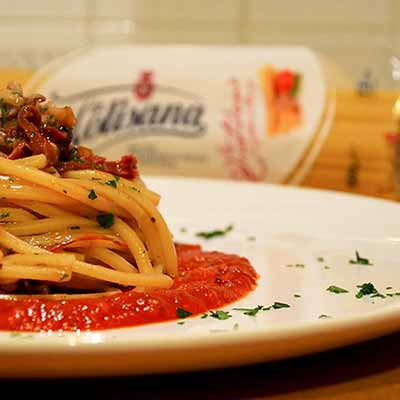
144,86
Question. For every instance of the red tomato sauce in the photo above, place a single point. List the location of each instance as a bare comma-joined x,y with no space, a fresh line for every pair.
206,281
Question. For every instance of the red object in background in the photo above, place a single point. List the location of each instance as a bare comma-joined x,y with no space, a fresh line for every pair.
392,137
144,86
284,82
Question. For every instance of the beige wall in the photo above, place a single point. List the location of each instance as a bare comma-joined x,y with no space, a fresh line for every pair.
358,34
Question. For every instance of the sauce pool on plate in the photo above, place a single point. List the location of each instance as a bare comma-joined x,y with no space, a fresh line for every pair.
206,281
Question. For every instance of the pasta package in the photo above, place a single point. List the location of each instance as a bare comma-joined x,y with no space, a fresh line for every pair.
245,113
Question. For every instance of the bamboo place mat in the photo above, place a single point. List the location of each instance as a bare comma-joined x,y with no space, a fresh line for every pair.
355,157
18,75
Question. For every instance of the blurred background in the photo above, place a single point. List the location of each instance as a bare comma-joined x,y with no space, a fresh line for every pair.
361,34
361,37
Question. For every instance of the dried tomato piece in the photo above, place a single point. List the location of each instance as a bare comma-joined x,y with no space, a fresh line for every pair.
82,158
18,152
126,167
29,119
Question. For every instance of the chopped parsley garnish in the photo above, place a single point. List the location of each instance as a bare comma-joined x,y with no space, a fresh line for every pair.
297,295
336,289
215,233
105,220
181,313
393,294
20,335
276,306
320,259
16,334
327,267
360,260
382,296
112,182
295,266
252,312
204,316
117,178
389,288
74,227
180,322
221,315
4,112
4,215
324,316
92,195
183,230
367,289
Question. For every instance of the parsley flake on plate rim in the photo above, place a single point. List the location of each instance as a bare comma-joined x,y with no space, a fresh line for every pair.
324,316
336,289
220,314
214,233
368,289
252,312
360,260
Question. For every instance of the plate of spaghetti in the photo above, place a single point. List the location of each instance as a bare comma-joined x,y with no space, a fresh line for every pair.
104,271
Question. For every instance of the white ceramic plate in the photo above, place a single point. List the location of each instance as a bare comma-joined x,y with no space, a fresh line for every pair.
274,227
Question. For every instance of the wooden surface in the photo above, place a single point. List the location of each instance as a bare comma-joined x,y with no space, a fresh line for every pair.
17,75
358,133
366,371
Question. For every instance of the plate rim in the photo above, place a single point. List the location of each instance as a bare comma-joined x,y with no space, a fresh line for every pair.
375,323
273,186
